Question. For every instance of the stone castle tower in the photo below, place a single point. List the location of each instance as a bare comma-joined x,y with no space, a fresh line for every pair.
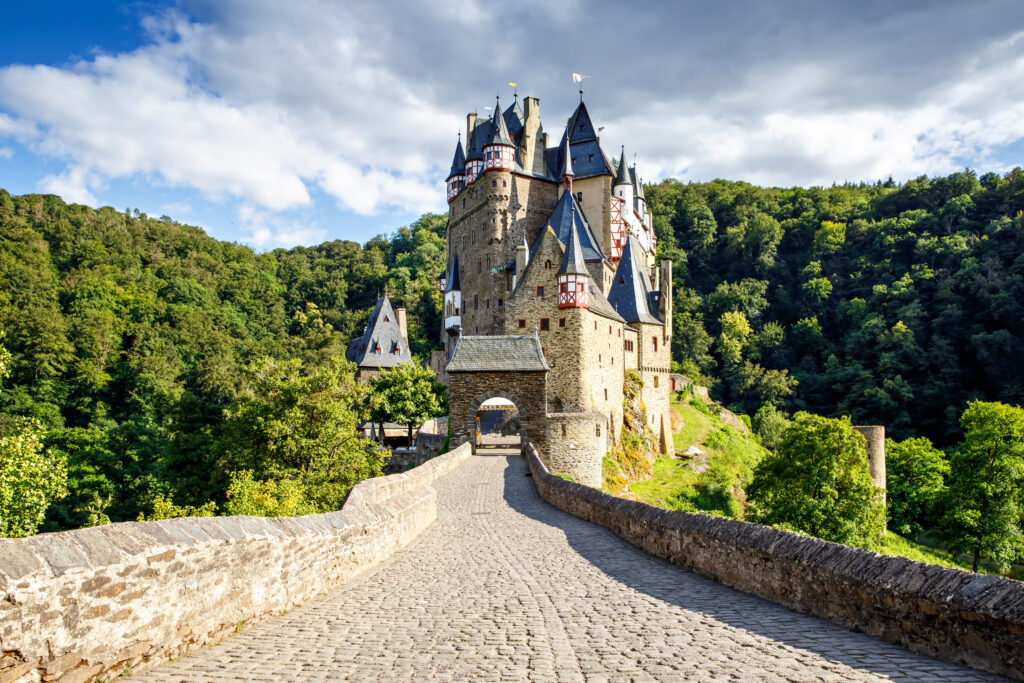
555,240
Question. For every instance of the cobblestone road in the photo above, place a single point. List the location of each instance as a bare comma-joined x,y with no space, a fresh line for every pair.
503,587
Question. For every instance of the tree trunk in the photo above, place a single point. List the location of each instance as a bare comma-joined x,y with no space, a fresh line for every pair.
977,555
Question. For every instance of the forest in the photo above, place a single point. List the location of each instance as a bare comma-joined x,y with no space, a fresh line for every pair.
162,367
173,373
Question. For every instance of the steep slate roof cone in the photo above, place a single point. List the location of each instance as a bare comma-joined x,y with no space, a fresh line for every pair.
500,134
383,333
622,177
629,294
453,276
572,260
459,162
566,211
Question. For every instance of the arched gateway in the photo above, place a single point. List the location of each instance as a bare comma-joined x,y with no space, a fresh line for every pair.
508,367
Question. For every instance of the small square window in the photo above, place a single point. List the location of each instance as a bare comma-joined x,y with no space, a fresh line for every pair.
545,324
500,304
522,323
561,322
540,291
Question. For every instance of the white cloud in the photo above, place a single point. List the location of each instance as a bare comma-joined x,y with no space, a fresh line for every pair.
6,152
268,103
264,230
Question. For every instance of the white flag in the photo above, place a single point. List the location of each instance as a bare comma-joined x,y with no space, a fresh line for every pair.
578,78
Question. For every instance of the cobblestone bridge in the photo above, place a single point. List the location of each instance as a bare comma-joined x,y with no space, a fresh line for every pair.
505,587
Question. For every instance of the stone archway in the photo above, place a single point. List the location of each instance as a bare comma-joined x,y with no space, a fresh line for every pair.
467,392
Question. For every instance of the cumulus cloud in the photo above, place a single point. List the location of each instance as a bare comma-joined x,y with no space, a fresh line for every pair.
270,104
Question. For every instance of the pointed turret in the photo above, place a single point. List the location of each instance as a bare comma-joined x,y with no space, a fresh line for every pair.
500,151
573,277
453,301
622,177
457,176
566,170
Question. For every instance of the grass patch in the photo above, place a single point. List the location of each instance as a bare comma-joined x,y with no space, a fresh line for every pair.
719,489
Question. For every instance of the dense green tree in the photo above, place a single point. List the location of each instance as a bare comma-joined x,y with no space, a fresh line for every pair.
984,507
408,394
297,422
817,482
915,484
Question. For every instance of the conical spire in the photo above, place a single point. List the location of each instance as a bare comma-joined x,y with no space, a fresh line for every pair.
572,260
459,161
567,160
453,276
622,177
500,136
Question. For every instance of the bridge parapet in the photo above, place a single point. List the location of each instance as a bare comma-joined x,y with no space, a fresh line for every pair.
950,614
85,604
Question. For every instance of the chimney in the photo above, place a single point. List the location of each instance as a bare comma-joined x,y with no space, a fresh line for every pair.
470,125
522,258
665,300
400,314
531,128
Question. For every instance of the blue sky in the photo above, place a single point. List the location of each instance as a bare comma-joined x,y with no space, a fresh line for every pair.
277,124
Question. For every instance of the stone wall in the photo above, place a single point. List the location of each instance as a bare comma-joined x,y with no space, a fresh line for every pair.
950,614
576,444
86,604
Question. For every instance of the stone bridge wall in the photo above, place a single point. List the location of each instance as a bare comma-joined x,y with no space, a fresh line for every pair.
950,614
86,604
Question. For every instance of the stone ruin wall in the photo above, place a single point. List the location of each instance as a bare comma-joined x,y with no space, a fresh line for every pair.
87,604
950,614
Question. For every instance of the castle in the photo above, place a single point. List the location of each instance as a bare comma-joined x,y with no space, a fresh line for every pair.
556,243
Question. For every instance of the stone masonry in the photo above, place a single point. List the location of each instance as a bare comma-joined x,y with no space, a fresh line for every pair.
87,604
505,587
958,616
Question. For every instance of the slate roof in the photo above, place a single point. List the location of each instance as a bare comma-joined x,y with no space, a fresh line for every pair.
382,332
561,220
454,283
629,294
622,176
459,162
515,119
499,353
477,139
499,129
572,260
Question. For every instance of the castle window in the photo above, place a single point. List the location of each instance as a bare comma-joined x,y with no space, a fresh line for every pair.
595,324
387,319
655,381
654,343
540,291
591,159
563,431
504,183
494,183
547,265
499,303
479,266
561,322
488,262
605,398
522,323
598,359
476,302
579,197
620,331
545,324
598,430
609,329
487,304
622,280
